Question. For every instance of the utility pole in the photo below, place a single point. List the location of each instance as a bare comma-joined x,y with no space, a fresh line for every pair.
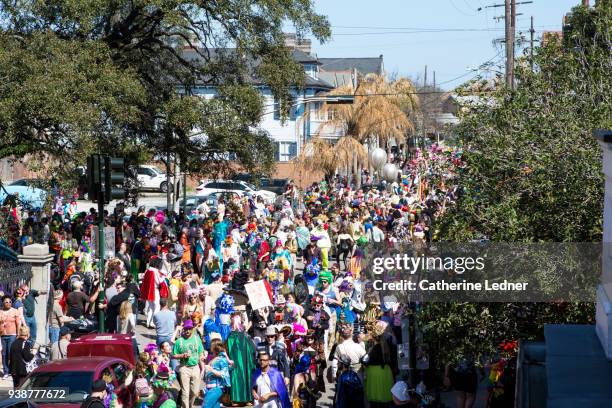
434,80
509,17
168,187
531,32
425,78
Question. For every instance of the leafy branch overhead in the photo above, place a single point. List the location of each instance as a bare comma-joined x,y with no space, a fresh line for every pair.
103,75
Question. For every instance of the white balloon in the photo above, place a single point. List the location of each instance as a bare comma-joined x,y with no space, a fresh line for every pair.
389,172
378,157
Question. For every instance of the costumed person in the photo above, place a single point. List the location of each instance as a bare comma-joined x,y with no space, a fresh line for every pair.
317,318
381,364
241,351
304,392
189,350
311,276
268,386
223,312
216,375
162,384
323,242
331,304
150,289
277,351
219,233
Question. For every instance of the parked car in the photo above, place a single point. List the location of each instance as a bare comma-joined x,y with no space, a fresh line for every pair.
16,402
276,185
152,178
212,200
235,186
191,203
76,375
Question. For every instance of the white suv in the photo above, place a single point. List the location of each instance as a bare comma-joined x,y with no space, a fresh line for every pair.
151,178
235,186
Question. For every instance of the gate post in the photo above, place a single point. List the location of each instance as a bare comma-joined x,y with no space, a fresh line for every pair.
39,257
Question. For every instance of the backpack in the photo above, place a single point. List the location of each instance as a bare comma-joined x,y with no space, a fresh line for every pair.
345,245
301,289
142,387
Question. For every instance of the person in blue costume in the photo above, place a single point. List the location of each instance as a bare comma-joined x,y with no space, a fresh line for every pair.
268,385
311,275
223,312
216,375
218,236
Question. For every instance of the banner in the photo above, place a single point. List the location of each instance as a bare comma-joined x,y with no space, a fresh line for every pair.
109,242
258,295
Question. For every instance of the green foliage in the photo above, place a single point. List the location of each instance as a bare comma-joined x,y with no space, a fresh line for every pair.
102,75
533,174
455,330
533,166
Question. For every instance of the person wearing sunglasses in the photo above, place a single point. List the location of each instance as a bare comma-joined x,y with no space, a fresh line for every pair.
10,323
269,389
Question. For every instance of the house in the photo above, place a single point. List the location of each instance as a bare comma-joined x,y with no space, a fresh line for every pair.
347,71
322,75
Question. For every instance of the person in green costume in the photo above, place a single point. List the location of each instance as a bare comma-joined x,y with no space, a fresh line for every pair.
241,350
162,385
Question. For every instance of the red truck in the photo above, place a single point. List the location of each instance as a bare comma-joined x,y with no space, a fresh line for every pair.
90,357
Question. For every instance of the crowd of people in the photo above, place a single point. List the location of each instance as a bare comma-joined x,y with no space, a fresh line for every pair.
186,275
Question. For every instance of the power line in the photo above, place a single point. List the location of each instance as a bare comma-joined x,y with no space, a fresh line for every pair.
459,10
466,74
428,29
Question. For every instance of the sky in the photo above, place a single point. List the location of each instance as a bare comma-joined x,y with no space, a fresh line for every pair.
411,34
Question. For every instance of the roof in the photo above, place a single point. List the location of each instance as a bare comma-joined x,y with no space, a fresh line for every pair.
299,56
572,350
363,65
302,57
77,364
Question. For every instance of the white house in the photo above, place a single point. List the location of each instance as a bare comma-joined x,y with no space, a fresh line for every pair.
322,75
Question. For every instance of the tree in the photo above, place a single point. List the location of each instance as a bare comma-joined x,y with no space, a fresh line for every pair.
117,66
533,168
377,114
532,174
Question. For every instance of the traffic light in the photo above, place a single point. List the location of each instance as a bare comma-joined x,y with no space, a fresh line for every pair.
114,176
93,177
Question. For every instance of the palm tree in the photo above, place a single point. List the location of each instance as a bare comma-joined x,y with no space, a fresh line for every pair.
378,114
317,156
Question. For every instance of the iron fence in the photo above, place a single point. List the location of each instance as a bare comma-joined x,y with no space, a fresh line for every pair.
14,274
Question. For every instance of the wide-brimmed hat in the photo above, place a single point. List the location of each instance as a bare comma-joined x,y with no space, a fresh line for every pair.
379,328
317,299
271,331
286,330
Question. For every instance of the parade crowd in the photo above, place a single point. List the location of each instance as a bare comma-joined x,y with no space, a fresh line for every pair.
186,275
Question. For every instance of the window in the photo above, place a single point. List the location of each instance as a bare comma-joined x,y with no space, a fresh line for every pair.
225,186
213,184
145,171
285,151
276,108
320,115
120,371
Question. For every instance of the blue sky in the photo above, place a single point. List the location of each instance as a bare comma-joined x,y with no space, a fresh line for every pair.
391,24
